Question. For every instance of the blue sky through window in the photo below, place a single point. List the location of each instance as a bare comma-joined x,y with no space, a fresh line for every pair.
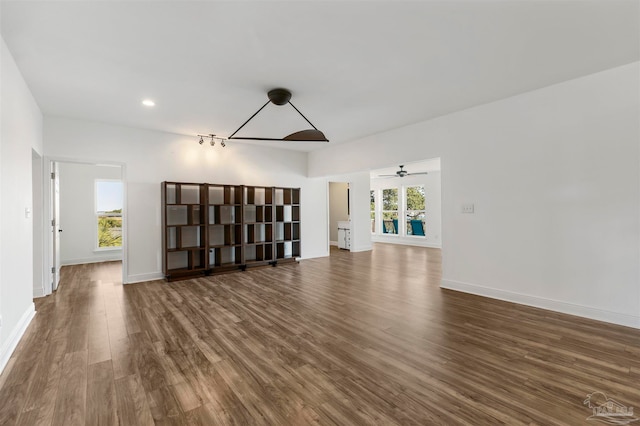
108,195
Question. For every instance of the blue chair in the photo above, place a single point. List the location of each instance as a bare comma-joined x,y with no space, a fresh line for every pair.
390,226
417,227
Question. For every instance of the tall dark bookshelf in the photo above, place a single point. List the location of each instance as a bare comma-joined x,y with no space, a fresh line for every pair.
214,228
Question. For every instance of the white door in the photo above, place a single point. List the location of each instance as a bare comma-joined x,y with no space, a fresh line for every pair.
55,226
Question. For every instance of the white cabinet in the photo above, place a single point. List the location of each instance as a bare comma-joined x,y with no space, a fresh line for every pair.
344,235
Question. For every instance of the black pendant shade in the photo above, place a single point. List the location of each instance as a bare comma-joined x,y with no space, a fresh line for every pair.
282,97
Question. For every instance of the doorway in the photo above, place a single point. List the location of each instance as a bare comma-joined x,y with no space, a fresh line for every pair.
339,216
406,204
88,215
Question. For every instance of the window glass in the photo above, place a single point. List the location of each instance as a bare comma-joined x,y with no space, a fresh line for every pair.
415,214
109,213
372,195
390,211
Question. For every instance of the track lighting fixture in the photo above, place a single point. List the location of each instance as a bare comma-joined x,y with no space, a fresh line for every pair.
213,138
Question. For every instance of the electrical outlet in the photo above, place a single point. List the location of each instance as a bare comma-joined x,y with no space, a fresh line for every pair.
467,208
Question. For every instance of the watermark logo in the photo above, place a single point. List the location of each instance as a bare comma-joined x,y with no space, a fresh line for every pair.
608,411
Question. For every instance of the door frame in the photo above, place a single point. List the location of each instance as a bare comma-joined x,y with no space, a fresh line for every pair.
37,212
349,206
48,244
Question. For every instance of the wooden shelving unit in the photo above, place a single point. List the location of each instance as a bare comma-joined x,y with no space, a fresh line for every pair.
183,238
224,230
212,228
287,223
258,225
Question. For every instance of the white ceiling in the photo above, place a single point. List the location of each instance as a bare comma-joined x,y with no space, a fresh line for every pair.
355,68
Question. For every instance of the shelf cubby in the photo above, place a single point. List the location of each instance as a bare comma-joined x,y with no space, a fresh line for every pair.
224,215
177,215
178,260
190,194
295,231
284,250
225,256
217,194
287,196
279,231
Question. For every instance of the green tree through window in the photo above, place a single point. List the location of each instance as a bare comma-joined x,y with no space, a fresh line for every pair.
109,213
416,211
390,210
415,201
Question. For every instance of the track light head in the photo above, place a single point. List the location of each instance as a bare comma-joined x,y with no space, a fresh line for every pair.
201,141
222,143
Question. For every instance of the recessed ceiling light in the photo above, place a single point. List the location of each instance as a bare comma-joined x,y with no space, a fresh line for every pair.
148,102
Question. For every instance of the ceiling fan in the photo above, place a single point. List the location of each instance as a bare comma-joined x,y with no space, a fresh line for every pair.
402,173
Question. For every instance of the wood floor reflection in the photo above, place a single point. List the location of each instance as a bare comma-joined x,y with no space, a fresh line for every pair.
355,338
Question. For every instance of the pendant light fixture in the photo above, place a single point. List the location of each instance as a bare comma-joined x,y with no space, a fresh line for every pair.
281,97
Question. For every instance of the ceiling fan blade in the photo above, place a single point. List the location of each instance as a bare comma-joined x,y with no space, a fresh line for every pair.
309,135
419,173
387,176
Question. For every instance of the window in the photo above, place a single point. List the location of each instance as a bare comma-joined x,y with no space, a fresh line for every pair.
109,213
415,211
372,194
390,211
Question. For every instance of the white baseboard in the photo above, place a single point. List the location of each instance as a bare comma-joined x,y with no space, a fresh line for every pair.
543,303
94,259
15,336
367,247
406,241
314,255
333,243
138,278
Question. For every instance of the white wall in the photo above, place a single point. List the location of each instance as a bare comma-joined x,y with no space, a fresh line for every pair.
21,131
77,213
152,157
338,210
433,221
555,178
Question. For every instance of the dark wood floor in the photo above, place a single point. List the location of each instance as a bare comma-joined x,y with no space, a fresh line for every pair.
357,338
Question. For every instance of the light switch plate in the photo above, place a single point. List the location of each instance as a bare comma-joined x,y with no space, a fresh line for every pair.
467,208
